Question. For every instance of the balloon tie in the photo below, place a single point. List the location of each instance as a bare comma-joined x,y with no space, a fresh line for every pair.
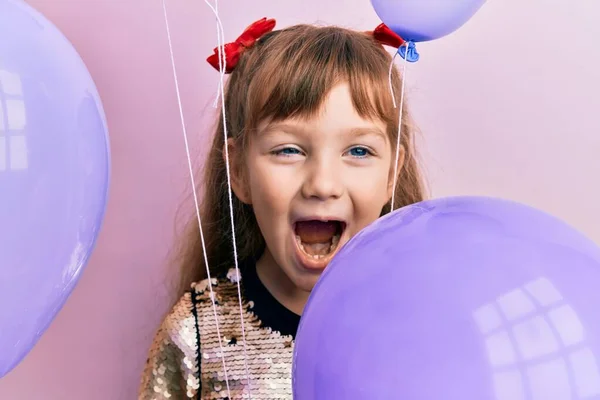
409,52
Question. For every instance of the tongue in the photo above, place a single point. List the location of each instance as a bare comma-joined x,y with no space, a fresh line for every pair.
312,232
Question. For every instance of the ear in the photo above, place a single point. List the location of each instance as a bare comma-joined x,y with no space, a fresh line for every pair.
239,181
396,168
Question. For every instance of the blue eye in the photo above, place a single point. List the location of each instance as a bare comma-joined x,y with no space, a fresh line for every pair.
359,152
287,151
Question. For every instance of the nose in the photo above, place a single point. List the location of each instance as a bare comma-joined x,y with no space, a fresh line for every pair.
323,180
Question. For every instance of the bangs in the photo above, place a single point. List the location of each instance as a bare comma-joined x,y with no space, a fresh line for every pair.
300,65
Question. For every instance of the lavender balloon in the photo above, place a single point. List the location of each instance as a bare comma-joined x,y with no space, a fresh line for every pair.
454,299
54,173
424,20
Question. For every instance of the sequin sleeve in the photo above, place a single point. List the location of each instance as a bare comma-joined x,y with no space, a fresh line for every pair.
171,370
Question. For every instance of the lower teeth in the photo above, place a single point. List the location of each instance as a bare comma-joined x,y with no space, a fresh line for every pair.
334,242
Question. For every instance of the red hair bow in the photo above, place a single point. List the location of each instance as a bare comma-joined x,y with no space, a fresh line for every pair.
386,36
234,49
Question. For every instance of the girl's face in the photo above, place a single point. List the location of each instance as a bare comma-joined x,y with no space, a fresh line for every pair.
313,184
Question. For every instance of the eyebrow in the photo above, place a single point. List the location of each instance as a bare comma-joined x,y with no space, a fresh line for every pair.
280,126
362,131
292,128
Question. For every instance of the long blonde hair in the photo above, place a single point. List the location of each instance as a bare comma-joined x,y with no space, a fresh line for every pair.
288,73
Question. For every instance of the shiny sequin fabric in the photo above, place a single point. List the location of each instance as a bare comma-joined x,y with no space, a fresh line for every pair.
175,370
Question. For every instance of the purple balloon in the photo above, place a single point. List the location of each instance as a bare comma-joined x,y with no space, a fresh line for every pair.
423,20
54,175
456,298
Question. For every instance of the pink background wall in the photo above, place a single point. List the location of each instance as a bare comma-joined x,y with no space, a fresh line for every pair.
509,112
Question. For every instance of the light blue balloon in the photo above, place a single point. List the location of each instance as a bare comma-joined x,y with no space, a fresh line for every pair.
424,20
54,175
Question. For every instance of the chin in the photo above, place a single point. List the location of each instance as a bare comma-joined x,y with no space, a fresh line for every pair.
305,282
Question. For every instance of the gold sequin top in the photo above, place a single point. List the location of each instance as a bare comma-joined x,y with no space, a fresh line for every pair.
185,359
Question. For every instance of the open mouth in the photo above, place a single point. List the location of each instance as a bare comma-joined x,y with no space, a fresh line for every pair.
318,240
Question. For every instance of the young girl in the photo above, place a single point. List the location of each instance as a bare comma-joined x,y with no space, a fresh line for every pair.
312,131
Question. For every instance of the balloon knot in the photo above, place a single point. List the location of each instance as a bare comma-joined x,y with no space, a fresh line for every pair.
409,52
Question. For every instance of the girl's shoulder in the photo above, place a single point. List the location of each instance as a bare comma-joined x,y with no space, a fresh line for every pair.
190,348
182,322
185,311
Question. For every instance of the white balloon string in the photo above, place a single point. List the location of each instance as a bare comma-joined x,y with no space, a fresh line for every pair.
398,141
193,182
390,79
222,67
221,46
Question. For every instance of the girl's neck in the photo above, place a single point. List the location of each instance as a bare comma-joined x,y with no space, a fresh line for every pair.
279,285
